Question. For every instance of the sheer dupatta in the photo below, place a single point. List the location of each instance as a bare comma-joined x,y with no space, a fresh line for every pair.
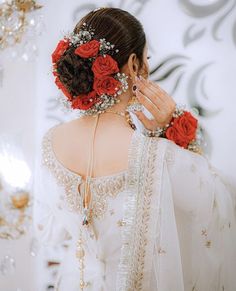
179,216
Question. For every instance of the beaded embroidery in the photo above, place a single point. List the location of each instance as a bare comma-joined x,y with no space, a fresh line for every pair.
101,187
136,250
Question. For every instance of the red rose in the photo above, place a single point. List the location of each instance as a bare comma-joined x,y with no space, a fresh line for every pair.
89,49
106,85
104,66
183,130
60,49
63,88
85,101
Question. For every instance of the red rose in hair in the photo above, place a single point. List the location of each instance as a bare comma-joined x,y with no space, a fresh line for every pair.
85,101
106,85
104,66
183,130
63,88
60,49
89,49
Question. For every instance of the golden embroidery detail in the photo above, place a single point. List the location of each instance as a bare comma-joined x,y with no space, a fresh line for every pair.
80,254
101,187
137,214
204,232
161,251
121,222
207,241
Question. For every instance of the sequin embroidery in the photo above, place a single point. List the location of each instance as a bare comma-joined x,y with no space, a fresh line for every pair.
102,187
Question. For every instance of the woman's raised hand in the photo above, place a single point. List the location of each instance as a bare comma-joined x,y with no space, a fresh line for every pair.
159,103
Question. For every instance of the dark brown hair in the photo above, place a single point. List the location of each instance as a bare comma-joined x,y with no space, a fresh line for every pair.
118,27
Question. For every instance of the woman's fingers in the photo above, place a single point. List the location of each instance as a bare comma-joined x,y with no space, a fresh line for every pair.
155,93
156,88
163,95
162,115
157,102
146,90
146,103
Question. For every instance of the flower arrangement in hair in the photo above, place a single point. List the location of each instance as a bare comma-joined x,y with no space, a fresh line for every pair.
94,83
90,80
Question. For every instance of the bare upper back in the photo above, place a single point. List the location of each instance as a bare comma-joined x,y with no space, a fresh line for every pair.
71,145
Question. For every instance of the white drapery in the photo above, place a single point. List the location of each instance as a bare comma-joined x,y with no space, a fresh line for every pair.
179,229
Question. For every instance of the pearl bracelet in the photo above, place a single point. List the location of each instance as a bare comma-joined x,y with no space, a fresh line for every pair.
159,131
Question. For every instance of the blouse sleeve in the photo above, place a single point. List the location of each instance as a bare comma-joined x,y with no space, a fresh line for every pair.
207,203
47,228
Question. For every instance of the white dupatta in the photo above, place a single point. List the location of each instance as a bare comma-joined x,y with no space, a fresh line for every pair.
180,230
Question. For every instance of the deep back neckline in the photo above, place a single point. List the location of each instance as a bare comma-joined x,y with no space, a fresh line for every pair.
47,139
102,187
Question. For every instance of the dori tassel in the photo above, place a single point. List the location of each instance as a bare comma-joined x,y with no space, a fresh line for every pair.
86,217
85,220
87,207
86,211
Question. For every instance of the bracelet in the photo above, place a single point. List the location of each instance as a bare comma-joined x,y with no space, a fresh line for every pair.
186,137
160,131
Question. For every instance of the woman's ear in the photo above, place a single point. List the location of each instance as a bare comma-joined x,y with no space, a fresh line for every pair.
133,65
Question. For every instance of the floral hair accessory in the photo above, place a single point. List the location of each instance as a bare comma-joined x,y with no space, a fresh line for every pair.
98,68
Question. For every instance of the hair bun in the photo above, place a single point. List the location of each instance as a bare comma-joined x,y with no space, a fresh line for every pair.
88,62
75,72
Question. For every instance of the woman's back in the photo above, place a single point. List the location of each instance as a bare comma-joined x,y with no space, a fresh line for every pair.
71,144
60,146
158,216
141,212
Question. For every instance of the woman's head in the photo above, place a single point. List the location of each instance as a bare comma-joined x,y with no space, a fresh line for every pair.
118,27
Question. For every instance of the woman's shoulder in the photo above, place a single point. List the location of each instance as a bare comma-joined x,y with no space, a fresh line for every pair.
60,133
53,150
63,127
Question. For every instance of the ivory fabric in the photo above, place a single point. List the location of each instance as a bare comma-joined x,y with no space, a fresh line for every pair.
168,223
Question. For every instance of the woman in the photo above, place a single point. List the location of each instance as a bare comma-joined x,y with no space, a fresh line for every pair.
138,211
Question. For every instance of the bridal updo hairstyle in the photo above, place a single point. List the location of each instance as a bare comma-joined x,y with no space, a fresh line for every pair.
118,27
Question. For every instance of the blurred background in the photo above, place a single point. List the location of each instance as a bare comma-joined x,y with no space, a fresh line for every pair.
192,44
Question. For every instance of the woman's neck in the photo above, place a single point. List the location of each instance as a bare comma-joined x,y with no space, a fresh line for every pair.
112,114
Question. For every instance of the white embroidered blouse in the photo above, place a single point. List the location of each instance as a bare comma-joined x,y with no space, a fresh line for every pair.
167,223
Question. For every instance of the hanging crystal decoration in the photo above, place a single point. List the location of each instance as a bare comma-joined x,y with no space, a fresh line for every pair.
19,24
15,198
